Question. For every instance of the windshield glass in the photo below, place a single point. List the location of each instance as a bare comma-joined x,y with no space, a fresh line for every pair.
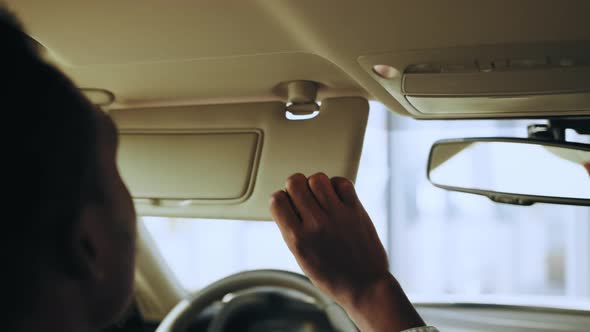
443,246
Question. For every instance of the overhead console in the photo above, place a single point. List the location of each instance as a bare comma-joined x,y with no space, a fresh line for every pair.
488,81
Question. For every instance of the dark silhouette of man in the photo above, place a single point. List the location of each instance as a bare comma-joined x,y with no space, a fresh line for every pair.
69,248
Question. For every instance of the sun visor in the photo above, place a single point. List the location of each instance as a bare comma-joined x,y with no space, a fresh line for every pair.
224,161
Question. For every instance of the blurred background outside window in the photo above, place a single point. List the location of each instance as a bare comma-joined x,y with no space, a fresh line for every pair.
443,246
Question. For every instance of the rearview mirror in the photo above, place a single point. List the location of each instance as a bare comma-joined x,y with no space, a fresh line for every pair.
513,170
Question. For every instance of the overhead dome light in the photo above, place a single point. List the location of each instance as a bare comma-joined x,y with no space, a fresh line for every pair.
98,97
385,71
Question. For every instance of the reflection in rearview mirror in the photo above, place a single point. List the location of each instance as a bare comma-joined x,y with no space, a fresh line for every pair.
499,168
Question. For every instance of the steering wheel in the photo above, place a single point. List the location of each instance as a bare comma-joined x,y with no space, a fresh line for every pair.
182,314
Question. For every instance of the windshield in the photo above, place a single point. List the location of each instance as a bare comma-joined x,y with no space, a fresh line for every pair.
443,246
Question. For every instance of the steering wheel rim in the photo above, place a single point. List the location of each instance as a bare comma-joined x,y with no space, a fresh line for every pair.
181,315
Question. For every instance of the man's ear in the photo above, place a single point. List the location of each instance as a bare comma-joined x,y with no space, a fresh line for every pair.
85,244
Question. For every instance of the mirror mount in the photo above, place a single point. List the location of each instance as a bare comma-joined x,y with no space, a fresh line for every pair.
555,130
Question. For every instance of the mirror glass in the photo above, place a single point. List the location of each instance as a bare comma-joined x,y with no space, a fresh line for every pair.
512,167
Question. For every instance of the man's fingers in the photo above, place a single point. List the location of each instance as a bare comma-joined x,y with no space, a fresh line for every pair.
304,201
283,212
323,190
345,190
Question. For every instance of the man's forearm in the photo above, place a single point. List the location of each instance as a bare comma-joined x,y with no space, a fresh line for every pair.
383,307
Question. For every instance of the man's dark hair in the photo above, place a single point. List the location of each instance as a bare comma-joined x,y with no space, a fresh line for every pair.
50,153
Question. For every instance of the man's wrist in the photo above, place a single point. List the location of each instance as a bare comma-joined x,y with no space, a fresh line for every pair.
383,306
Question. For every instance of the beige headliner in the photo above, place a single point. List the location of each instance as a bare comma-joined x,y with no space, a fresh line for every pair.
202,52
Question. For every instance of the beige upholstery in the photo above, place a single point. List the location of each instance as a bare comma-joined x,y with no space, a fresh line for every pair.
224,161
209,52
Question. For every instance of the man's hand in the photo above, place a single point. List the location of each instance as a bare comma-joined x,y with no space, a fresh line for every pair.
330,234
334,241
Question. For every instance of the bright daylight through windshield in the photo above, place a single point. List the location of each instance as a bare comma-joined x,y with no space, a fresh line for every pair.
443,246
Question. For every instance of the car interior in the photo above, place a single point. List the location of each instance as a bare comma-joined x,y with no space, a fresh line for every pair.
465,126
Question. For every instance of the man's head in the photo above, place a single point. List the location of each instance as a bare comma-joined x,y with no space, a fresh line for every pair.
69,225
